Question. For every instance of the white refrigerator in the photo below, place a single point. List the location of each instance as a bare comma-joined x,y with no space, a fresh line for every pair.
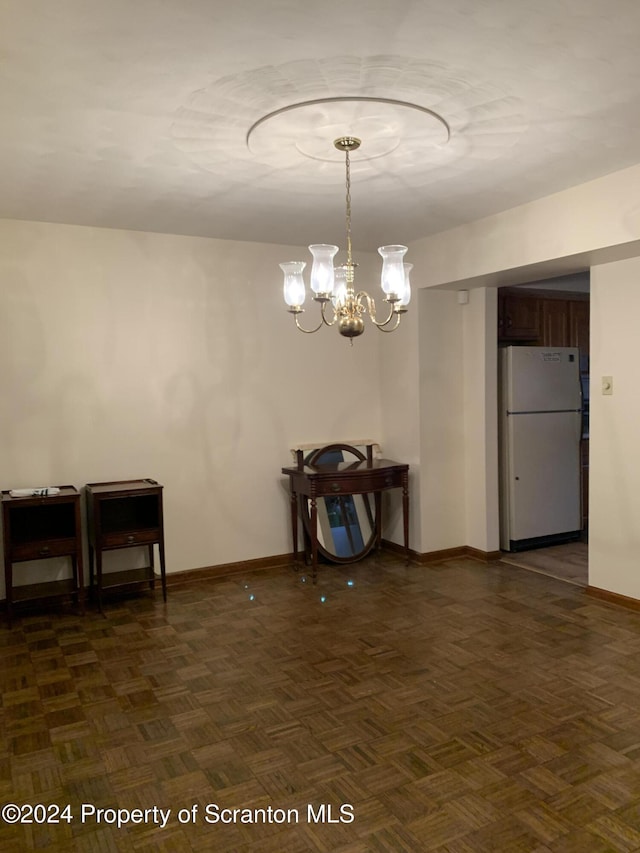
540,428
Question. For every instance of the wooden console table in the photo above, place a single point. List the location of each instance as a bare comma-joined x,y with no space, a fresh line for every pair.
310,481
38,528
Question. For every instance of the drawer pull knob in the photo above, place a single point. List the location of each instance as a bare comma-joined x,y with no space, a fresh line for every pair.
44,551
335,487
131,538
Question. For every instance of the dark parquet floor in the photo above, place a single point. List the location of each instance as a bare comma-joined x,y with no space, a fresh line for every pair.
462,708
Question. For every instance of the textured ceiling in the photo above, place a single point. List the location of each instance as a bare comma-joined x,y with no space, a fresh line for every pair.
136,114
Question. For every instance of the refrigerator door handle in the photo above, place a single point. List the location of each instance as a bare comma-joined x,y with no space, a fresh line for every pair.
580,420
581,394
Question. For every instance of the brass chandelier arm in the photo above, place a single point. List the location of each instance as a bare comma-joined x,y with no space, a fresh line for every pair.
382,328
323,321
371,309
323,309
307,331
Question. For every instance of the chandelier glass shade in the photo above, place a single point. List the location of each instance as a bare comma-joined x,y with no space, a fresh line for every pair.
333,288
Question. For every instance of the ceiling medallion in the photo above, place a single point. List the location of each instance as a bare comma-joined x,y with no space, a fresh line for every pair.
310,127
394,103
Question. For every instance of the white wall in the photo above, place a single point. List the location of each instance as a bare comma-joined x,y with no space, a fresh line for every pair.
614,473
442,422
127,355
439,381
423,417
566,232
399,384
480,389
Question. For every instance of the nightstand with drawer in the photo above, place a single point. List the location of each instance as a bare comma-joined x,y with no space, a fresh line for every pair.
124,514
41,527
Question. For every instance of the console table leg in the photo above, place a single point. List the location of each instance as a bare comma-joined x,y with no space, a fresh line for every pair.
405,514
314,538
377,498
293,506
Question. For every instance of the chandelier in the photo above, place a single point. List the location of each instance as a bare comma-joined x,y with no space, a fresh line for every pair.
334,289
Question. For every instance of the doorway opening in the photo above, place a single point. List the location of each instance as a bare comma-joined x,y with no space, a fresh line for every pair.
553,313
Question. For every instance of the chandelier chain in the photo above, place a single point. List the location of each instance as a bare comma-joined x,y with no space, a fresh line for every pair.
348,171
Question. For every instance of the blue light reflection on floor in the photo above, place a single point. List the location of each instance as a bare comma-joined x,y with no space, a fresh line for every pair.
350,582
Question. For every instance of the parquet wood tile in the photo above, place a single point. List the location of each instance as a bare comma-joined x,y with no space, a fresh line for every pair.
458,708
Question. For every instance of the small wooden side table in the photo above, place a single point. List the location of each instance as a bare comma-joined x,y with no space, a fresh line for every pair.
366,475
125,514
39,527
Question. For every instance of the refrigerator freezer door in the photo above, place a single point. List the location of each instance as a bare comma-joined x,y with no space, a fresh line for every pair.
543,476
542,380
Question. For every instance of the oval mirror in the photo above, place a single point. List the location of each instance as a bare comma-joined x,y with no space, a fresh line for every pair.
346,523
